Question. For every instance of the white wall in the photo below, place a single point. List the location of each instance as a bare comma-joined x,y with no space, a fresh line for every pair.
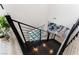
35,15
39,14
65,14
2,12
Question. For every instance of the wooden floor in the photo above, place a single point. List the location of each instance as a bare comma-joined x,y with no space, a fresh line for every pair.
9,47
44,48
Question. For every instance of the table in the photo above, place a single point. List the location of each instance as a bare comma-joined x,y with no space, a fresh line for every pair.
61,34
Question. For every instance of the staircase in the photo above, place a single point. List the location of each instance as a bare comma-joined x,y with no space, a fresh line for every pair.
33,41
30,37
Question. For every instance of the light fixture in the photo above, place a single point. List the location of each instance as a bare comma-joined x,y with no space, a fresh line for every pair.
50,51
35,49
44,45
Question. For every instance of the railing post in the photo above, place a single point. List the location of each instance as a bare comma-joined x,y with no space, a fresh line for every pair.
40,34
21,32
22,45
48,35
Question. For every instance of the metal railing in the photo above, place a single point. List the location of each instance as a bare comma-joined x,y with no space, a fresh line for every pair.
22,30
26,29
65,43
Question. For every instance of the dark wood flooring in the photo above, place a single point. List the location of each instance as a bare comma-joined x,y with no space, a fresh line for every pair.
50,45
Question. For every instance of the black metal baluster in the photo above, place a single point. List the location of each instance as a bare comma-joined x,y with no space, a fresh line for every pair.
48,36
40,34
21,32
